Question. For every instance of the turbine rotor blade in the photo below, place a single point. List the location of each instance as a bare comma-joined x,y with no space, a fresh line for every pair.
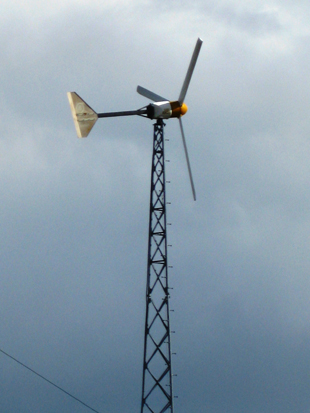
190,70
187,160
150,95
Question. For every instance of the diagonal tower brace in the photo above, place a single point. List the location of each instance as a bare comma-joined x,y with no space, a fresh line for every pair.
157,396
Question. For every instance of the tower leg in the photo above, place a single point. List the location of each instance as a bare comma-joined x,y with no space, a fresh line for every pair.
157,375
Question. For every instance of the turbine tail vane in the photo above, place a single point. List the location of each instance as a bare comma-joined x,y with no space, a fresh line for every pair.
83,115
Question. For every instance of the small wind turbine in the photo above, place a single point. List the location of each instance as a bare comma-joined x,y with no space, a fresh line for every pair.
85,117
157,396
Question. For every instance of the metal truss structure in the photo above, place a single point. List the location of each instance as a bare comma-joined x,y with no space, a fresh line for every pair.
157,396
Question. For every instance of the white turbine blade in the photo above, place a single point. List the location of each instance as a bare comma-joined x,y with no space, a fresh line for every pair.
83,115
190,70
187,160
150,95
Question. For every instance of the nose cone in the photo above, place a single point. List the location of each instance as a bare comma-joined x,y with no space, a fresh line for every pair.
177,109
183,109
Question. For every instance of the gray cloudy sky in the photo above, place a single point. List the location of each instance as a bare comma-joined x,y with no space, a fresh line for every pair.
74,213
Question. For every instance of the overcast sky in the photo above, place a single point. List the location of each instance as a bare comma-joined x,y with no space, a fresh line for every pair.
74,212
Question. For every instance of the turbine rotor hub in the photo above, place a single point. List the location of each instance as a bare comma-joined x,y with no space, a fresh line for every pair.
178,110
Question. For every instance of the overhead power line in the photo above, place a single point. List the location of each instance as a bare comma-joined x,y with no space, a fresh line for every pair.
48,381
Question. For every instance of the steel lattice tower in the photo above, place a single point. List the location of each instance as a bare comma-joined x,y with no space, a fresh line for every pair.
157,394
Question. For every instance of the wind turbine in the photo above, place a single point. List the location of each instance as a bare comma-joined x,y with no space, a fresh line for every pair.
157,395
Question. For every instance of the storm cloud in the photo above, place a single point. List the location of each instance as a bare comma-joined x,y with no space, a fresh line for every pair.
74,213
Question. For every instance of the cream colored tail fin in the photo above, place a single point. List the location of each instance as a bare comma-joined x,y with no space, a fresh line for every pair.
83,115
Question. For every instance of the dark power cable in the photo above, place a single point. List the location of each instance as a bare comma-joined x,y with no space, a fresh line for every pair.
50,382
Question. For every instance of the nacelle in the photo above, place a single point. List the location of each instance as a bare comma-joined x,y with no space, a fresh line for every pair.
166,110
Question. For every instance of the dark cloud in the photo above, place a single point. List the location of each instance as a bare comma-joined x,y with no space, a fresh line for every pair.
74,213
